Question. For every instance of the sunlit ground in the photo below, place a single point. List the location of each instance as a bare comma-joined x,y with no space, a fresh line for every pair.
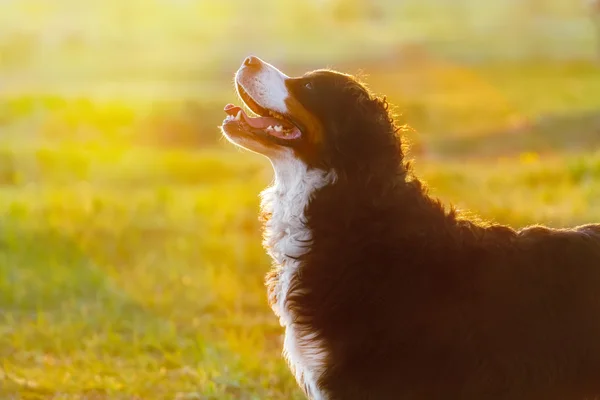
130,258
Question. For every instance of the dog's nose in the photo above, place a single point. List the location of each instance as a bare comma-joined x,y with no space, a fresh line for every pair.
252,61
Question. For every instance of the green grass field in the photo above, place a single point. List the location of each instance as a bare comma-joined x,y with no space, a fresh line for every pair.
130,256
150,286
136,272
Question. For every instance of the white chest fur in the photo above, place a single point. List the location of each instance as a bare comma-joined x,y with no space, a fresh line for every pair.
286,237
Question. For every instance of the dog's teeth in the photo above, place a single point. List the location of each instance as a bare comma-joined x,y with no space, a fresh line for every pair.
269,128
238,116
278,128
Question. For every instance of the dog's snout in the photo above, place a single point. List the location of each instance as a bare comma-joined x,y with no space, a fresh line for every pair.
252,61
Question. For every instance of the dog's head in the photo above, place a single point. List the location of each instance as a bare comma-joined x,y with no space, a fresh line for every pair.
327,119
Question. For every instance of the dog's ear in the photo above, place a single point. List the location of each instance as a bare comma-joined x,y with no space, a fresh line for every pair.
372,107
366,141
360,95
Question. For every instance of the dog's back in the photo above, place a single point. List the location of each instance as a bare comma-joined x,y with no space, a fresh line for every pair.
508,315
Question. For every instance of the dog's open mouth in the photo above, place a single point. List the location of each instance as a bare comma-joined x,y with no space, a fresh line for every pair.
267,121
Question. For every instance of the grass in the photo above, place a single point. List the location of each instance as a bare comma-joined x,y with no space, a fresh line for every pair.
146,292
152,288
492,109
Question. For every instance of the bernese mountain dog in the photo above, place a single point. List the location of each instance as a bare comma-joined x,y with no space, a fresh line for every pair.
383,292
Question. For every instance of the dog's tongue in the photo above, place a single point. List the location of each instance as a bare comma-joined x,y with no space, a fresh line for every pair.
255,122
264,122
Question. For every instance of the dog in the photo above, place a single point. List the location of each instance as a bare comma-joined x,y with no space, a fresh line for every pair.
383,292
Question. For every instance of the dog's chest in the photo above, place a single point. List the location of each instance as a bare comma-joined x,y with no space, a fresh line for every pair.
286,238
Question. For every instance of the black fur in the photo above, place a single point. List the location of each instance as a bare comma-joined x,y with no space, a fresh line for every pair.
416,302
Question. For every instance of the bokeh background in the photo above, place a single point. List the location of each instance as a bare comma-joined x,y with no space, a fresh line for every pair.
130,258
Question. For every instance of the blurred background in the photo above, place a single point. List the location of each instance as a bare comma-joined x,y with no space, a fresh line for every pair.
130,257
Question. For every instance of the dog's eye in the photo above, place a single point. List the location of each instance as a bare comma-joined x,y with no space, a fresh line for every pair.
308,86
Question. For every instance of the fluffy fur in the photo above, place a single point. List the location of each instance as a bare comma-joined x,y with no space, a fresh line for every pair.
386,294
286,237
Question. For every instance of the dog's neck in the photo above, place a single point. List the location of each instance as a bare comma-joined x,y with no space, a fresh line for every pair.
286,235
286,238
